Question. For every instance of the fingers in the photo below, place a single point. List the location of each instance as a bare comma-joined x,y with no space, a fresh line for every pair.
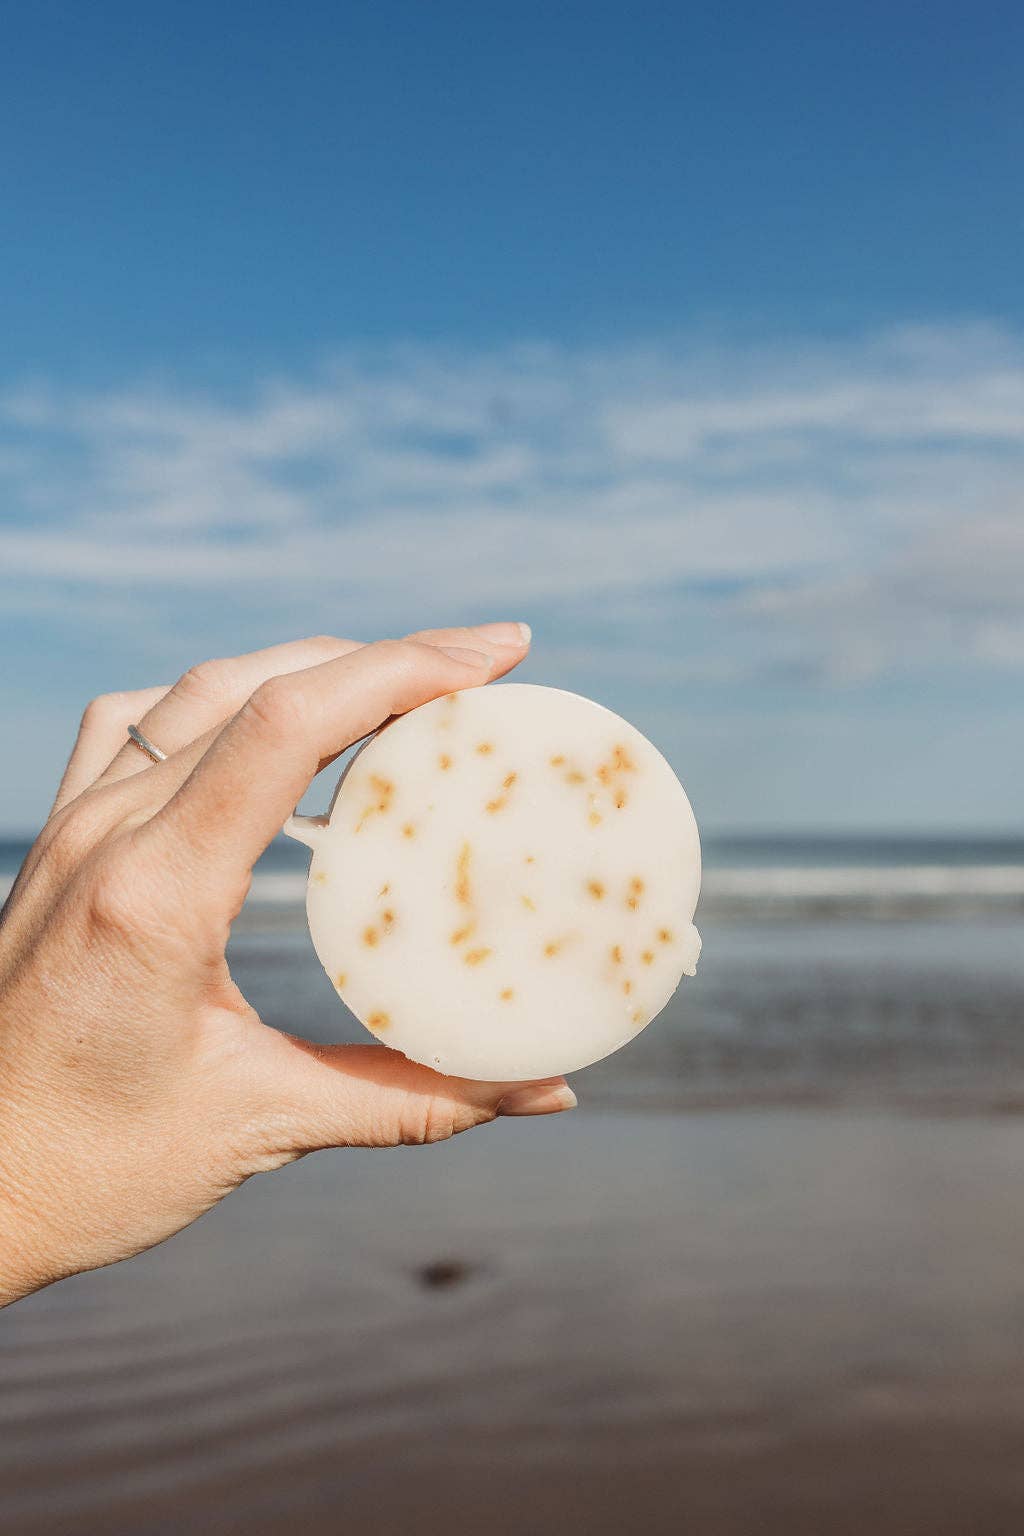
505,642
101,734
368,1096
210,693
163,779
261,763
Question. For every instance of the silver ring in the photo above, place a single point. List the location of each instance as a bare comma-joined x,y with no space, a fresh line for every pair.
147,746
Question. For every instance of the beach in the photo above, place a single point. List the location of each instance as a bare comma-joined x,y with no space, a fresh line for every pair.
767,1277
594,423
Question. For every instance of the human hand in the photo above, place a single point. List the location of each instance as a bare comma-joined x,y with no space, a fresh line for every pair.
137,1085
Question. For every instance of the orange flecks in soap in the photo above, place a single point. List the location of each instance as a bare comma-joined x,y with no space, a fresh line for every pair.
638,1016
340,980
476,956
552,947
575,777
648,957
371,937
378,1021
444,762
500,801
609,775
557,761
463,895
409,830
596,889
617,954
595,818
636,890
485,748
664,936
387,921
506,994
320,878
627,987
529,859
385,890
384,792
529,903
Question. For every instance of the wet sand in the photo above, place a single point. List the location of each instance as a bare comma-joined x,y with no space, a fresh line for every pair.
783,1320
769,1277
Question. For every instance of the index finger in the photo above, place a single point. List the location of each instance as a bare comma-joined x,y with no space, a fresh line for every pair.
240,793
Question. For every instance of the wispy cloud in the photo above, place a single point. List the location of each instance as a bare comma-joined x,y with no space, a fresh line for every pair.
837,513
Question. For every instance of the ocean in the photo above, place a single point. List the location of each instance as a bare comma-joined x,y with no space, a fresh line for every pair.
886,971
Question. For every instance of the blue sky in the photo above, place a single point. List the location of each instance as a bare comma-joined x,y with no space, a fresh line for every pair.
695,335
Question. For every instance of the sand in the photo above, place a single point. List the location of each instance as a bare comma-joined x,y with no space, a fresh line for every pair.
774,1321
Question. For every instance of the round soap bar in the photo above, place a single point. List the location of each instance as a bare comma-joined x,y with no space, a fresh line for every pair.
505,884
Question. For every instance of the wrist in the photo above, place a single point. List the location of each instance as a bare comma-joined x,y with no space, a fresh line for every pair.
18,1274
22,1266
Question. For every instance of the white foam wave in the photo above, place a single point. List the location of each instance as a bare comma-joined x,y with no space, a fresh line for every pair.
852,885
867,882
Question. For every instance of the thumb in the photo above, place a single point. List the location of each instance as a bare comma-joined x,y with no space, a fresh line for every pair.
369,1096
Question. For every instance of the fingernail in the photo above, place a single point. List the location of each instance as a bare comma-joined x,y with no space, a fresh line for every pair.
538,1099
468,658
504,634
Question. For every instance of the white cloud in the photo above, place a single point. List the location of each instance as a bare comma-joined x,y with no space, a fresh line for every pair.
819,512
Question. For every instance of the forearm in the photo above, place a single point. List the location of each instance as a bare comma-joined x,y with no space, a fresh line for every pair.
23,1181
22,1267
32,1124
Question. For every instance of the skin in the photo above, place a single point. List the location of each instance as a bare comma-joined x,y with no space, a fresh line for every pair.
137,1085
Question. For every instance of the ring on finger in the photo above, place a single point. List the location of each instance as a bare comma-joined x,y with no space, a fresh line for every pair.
147,746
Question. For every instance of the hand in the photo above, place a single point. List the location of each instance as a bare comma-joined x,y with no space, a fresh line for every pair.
137,1085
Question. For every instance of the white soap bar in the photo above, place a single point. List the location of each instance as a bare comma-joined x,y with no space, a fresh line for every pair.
505,885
